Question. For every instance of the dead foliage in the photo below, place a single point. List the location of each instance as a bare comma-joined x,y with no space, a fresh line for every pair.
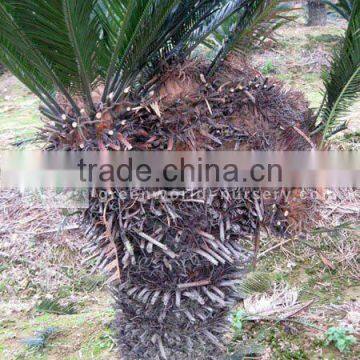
339,231
36,244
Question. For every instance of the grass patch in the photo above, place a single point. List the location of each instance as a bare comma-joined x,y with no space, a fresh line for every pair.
99,346
268,68
19,115
328,39
85,335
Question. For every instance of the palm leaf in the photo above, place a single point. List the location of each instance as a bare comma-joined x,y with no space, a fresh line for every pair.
220,16
43,23
347,96
342,82
280,303
135,41
83,29
17,40
180,27
111,14
254,24
29,76
184,30
120,14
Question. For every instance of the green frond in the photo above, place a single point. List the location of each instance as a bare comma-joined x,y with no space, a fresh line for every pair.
131,15
72,46
83,32
250,27
180,27
43,24
29,76
19,40
342,82
137,40
111,14
220,16
190,25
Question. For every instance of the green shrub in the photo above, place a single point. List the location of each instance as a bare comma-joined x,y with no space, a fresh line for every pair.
268,68
340,337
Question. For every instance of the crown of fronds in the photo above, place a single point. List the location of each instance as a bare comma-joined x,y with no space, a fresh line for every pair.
69,47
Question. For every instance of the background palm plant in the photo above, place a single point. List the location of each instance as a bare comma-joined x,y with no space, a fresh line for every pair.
342,82
250,27
102,69
316,13
342,7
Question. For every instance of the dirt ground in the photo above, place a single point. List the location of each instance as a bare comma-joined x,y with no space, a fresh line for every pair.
53,305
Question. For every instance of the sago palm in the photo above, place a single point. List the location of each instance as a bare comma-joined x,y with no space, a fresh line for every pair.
116,75
342,81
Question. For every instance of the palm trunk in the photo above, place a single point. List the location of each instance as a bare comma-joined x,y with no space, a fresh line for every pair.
317,14
176,263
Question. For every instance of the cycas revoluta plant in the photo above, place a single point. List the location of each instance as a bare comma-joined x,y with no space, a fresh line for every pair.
342,82
116,75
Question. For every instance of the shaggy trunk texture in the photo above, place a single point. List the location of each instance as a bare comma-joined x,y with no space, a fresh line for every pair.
174,264
317,15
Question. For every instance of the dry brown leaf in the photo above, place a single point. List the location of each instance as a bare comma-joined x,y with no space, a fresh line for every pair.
156,108
327,262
